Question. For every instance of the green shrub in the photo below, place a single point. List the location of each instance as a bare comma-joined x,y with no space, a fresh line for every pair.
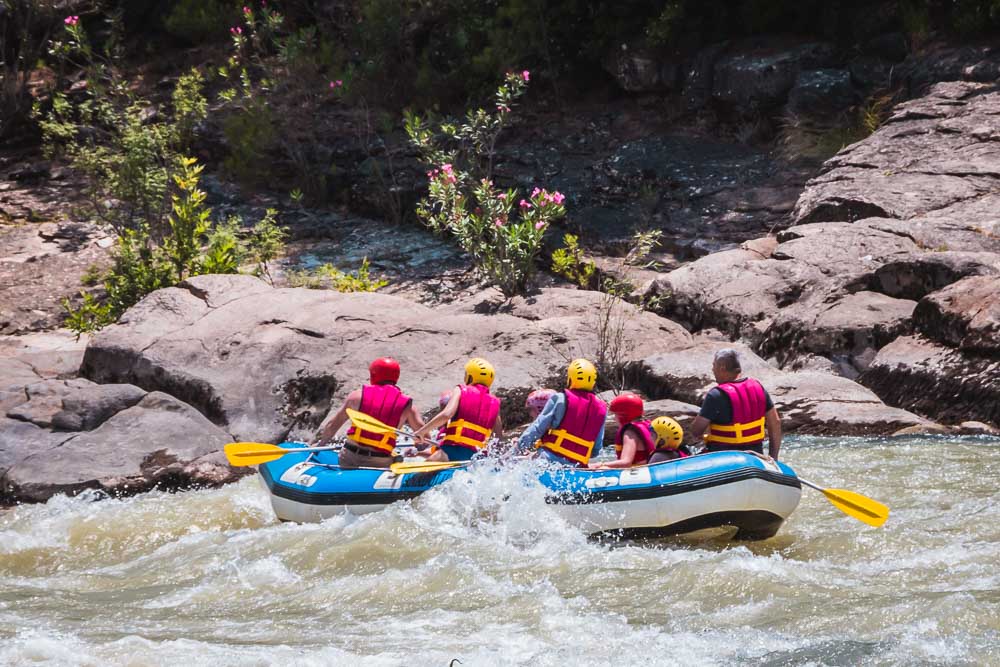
190,106
502,237
570,262
191,246
328,276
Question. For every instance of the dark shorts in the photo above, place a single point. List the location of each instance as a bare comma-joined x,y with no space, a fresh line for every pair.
455,453
715,447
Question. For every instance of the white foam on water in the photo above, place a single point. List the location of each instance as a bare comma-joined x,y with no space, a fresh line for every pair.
483,570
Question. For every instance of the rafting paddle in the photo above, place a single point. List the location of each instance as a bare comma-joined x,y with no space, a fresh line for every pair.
854,504
425,466
363,421
255,453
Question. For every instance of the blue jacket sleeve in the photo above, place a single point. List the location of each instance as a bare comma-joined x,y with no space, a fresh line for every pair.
598,443
550,417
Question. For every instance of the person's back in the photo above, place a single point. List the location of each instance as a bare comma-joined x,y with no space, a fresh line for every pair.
382,400
570,429
470,416
737,414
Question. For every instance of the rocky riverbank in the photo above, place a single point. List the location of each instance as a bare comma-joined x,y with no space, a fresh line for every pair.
872,308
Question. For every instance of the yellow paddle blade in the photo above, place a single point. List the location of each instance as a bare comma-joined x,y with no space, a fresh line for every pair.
361,420
421,466
858,506
252,453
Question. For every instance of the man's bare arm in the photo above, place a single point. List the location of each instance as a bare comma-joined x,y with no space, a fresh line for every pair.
773,424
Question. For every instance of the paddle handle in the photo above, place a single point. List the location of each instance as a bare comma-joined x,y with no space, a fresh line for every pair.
289,451
811,485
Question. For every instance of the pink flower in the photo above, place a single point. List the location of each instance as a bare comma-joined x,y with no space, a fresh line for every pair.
503,107
336,84
246,10
526,75
71,20
558,197
498,222
236,30
446,168
524,204
535,193
539,225
502,195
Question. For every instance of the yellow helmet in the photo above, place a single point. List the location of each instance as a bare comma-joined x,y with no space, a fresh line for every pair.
479,371
581,374
669,433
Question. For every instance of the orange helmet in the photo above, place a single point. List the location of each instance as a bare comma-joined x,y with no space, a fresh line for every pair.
627,408
384,370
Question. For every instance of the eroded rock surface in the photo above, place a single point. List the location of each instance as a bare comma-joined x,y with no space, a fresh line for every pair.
264,363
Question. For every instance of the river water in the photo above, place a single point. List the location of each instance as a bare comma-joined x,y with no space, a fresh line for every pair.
211,578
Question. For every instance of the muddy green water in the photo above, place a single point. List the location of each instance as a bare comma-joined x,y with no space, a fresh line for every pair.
211,578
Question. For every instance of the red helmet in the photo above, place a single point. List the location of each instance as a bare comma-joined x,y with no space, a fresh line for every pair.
627,407
384,370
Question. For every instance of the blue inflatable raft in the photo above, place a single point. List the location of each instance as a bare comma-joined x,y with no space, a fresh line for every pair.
723,489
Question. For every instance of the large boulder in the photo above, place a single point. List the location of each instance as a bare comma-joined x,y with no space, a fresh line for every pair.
740,291
157,442
266,364
925,376
848,328
932,153
964,315
809,402
63,436
917,275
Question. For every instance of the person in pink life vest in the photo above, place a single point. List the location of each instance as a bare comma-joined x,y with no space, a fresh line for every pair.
736,415
634,440
381,400
570,428
470,418
638,440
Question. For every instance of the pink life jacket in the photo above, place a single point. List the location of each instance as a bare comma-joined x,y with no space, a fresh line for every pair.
583,421
749,403
386,403
647,441
475,418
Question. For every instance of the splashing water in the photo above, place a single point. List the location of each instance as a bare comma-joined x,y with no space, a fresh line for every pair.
211,577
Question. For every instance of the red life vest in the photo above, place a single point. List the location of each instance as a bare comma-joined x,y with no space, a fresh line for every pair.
749,403
475,418
583,421
647,441
386,403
